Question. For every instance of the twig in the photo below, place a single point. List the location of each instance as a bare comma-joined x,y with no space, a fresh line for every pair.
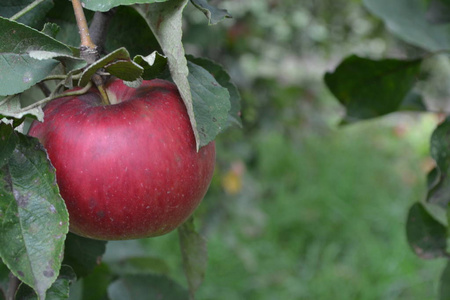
99,27
82,25
44,88
12,287
26,9
52,97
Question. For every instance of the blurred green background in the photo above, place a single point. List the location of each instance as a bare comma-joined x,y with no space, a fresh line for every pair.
301,208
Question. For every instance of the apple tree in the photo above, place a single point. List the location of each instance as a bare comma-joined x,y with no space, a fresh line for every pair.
370,88
59,52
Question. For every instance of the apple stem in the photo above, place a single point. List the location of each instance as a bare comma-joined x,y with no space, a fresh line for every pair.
98,80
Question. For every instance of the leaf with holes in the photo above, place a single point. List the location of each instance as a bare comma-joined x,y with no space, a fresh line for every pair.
33,216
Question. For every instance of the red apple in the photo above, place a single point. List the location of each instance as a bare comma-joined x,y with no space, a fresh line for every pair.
127,170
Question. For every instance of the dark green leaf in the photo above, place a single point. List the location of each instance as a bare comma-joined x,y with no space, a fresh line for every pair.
33,18
426,236
95,285
33,217
105,5
165,20
153,64
8,142
438,12
195,255
371,88
59,289
438,179
127,70
214,14
444,284
4,279
19,69
413,102
83,254
211,103
146,287
407,19
139,265
51,29
222,77
130,30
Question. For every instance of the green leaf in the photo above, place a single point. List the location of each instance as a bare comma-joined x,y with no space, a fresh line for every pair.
118,63
51,29
33,216
59,289
129,29
438,179
371,88
407,19
19,70
146,287
413,102
153,64
33,18
195,255
12,108
83,254
222,77
105,5
4,279
444,286
165,20
95,285
426,236
139,265
8,142
438,12
214,14
211,103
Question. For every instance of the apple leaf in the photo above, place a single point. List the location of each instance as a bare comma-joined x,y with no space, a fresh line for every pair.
51,29
4,279
129,29
371,88
8,143
214,14
426,236
95,285
105,5
438,179
12,108
153,64
59,289
139,265
194,254
118,63
444,287
19,70
407,19
33,216
165,20
146,287
83,254
438,12
33,18
222,77
211,103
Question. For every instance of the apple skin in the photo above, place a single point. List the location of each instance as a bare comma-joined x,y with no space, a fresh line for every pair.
128,170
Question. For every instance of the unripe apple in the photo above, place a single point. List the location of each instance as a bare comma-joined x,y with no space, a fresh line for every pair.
126,170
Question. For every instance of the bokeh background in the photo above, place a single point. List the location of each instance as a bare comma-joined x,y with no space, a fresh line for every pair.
300,207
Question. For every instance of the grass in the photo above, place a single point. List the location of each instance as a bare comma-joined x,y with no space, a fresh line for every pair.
320,217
